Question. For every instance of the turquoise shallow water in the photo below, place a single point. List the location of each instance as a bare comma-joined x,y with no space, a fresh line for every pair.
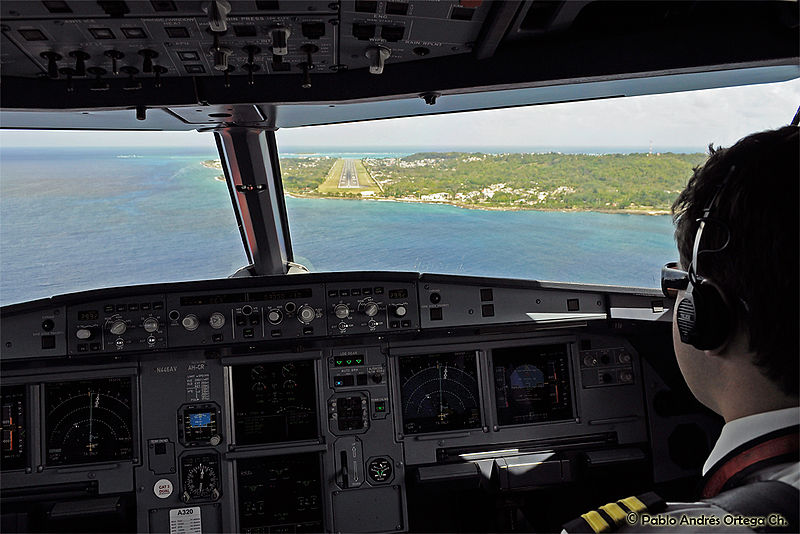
76,219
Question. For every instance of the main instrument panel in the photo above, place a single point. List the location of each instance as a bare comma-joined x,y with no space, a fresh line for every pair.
329,402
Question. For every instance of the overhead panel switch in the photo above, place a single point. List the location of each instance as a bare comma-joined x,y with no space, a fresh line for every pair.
377,56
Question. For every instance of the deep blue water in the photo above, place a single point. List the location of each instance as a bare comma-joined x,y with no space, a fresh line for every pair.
76,219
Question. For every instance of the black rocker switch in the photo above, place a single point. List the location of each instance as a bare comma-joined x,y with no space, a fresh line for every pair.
115,56
149,56
99,84
80,61
52,66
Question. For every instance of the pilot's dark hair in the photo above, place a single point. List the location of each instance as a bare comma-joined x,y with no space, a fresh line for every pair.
757,271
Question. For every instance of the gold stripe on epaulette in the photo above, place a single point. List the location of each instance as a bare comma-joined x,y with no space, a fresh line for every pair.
615,512
634,504
596,521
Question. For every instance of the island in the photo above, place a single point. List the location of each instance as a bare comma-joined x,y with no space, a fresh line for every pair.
641,183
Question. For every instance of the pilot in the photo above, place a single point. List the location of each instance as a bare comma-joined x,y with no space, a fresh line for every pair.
735,331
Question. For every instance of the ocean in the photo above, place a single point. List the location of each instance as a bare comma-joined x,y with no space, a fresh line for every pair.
73,219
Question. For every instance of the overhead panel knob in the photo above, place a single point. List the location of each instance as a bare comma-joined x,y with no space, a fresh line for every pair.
342,311
306,314
118,328
150,325
190,322
377,56
400,311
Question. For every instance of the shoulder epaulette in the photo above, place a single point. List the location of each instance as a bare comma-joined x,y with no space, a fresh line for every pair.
609,517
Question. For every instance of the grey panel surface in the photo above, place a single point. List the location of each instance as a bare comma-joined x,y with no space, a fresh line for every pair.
34,334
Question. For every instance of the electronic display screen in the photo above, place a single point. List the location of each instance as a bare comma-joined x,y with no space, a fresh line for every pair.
223,298
302,293
12,427
274,402
88,421
280,494
439,392
532,384
199,420
398,293
88,315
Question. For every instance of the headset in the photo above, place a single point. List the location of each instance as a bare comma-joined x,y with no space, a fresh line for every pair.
704,317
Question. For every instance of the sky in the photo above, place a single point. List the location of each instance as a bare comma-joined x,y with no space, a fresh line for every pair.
687,119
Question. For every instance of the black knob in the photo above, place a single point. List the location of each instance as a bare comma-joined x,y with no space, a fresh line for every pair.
308,64
48,325
99,84
132,84
80,61
252,50
250,68
52,66
148,55
227,75
158,70
115,56
69,72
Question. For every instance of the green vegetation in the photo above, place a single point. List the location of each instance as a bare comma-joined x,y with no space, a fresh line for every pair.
609,182
639,182
331,183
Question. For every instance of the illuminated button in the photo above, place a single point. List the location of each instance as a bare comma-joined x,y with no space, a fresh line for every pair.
146,306
333,293
248,332
190,322
366,291
108,308
216,321
379,291
380,406
355,292
121,307
344,292
405,324
134,306
158,305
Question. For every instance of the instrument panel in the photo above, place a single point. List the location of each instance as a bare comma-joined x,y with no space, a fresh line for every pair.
335,429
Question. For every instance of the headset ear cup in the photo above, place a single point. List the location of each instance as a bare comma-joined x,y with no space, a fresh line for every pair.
712,317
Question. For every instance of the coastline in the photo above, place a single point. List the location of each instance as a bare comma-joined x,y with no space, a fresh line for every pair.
217,165
621,211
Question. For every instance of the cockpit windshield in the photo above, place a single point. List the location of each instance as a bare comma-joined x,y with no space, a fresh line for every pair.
82,210
576,192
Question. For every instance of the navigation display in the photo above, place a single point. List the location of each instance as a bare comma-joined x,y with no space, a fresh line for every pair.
532,384
13,428
439,392
88,421
280,494
274,402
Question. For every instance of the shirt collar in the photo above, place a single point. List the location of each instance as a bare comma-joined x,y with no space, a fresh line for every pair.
739,431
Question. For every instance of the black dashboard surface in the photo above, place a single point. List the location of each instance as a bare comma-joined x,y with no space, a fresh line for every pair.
335,402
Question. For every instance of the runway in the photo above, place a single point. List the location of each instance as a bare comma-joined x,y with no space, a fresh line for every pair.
349,176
